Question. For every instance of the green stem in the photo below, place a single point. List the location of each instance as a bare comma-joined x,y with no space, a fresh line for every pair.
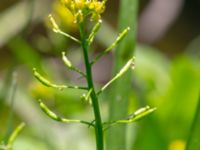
98,122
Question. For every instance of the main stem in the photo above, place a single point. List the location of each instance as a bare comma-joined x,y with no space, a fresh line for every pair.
95,103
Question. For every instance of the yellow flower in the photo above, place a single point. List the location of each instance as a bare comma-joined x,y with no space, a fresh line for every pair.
82,8
177,145
79,4
100,7
60,14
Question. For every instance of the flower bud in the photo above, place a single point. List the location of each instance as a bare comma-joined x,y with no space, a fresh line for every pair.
79,4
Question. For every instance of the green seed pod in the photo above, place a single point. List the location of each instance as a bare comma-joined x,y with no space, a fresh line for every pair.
41,79
95,29
47,111
53,23
66,60
119,74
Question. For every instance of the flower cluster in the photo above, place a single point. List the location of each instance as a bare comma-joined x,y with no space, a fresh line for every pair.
82,8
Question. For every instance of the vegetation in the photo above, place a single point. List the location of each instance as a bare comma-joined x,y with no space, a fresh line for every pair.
73,66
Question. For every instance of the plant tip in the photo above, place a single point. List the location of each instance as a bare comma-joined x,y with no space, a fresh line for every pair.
39,100
63,53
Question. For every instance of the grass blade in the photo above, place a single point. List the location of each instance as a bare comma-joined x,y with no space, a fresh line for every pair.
194,137
119,100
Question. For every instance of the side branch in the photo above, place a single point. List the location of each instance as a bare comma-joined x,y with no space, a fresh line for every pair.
95,29
13,136
53,116
70,66
137,115
87,97
47,83
113,45
56,29
124,69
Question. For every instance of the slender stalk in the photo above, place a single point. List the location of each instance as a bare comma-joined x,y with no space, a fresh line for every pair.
55,117
14,135
98,123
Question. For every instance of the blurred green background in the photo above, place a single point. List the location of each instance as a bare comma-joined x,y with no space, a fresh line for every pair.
167,74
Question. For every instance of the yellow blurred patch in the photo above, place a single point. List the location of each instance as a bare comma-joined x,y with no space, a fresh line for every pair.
39,91
177,145
64,17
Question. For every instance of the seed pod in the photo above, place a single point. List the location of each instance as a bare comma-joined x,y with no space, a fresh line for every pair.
53,23
66,60
40,78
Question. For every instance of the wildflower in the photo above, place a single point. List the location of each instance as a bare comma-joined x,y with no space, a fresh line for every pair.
80,9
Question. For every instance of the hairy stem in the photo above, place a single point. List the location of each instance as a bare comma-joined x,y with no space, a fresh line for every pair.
98,122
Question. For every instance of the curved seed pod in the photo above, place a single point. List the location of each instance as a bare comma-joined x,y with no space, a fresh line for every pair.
49,113
137,115
119,39
47,83
43,80
119,74
113,45
53,23
95,29
53,116
66,60
138,112
141,113
56,29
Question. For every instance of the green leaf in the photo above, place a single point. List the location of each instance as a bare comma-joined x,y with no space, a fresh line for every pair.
118,104
194,137
25,53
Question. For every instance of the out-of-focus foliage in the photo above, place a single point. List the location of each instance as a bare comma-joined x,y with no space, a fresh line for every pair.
171,86
61,13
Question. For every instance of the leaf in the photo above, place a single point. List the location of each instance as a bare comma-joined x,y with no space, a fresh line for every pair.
194,137
118,104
